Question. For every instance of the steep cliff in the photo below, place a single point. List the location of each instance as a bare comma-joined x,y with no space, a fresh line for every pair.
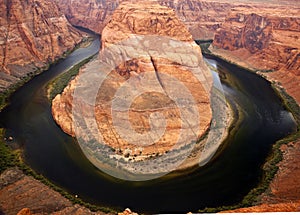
265,39
152,34
32,34
23,195
91,14
202,17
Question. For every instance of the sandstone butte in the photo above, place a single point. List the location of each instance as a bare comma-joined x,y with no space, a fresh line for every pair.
32,35
129,21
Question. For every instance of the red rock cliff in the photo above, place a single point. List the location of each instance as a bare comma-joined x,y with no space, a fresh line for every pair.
202,17
32,34
265,39
91,14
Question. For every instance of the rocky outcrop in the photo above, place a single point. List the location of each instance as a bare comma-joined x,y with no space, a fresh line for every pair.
270,208
146,36
91,14
21,194
131,20
264,39
285,187
201,17
32,35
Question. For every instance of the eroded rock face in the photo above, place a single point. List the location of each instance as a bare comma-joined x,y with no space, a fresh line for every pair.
24,195
154,19
151,59
32,34
265,39
91,14
201,17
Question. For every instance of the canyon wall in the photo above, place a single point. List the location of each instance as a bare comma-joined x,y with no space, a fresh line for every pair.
202,18
91,14
23,195
32,34
264,39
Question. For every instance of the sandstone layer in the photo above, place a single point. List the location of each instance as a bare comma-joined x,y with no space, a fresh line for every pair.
147,37
201,17
263,39
32,35
204,17
91,14
21,194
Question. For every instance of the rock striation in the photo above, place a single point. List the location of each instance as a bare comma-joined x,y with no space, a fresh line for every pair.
32,35
151,34
201,17
267,40
23,195
91,14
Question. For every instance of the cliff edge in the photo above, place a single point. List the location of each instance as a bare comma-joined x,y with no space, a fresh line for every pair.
32,35
265,40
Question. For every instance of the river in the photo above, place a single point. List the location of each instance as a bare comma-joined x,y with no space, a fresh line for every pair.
223,181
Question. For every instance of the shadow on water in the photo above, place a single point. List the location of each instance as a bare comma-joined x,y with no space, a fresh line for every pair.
223,181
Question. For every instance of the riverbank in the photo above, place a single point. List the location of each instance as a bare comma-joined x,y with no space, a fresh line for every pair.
57,85
281,174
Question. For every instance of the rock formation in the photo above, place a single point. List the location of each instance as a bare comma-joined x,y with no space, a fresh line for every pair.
150,33
201,17
32,35
24,195
267,40
91,14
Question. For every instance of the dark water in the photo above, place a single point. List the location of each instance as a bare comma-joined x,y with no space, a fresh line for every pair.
223,181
